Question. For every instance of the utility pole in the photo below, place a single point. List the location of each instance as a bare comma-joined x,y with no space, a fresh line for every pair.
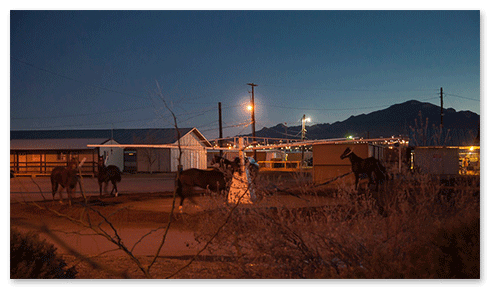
442,124
303,134
220,141
253,117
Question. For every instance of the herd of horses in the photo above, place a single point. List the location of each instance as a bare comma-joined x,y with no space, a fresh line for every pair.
217,179
66,178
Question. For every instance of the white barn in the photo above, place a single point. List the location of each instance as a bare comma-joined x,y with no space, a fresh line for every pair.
30,151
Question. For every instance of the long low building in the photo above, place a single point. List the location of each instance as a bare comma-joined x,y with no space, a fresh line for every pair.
34,152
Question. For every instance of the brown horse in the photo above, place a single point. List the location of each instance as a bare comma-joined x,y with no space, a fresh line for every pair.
105,174
213,180
365,166
67,178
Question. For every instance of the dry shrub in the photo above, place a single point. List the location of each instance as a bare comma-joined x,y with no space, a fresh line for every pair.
411,229
31,258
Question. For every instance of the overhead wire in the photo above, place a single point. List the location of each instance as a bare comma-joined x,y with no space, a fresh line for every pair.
75,80
78,115
200,111
450,94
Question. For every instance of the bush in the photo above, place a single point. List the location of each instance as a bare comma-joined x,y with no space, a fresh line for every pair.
31,258
417,234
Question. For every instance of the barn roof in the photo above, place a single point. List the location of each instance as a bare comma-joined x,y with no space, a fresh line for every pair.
54,144
121,136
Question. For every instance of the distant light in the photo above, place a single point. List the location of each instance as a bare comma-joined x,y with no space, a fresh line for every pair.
472,148
308,119
350,137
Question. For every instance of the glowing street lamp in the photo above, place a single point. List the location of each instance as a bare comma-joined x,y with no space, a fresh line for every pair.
250,107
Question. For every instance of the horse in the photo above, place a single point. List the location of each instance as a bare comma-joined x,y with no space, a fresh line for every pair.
368,166
105,174
67,178
251,165
214,180
234,166
226,165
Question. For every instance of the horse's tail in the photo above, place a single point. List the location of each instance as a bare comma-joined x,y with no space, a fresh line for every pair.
117,176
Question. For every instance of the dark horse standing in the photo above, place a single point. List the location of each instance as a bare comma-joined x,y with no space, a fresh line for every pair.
234,166
225,164
214,180
67,178
105,174
365,166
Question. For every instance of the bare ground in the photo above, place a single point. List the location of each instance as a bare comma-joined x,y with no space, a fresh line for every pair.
140,220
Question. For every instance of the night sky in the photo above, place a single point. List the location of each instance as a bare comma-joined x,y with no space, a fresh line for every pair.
100,69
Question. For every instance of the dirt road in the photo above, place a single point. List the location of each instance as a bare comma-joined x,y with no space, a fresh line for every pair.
38,189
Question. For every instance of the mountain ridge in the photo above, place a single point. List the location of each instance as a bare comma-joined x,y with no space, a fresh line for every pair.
414,119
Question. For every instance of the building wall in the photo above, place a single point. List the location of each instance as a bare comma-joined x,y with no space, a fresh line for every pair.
439,161
191,158
115,155
152,160
327,163
43,162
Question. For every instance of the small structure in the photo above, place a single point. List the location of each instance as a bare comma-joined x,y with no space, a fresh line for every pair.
447,160
38,152
329,169
41,156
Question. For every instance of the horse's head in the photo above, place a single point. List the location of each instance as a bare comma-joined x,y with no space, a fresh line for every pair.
346,153
215,160
72,164
100,162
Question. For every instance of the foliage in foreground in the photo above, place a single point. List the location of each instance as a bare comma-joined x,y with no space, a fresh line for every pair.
32,258
414,228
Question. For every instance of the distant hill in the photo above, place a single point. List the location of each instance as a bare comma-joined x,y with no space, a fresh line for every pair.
418,120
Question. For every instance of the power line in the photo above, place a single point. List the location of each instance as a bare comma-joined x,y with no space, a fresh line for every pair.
75,80
93,124
78,115
327,109
450,94
352,89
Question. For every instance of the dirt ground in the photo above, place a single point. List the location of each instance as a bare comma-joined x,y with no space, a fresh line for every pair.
140,220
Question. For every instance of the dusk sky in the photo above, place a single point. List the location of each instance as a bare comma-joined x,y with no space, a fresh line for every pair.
100,69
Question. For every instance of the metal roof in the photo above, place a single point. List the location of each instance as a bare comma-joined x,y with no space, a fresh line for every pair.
74,139
54,144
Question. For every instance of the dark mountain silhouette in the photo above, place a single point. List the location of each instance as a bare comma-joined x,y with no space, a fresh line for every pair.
417,120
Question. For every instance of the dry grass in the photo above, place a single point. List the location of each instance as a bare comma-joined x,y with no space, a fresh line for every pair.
412,228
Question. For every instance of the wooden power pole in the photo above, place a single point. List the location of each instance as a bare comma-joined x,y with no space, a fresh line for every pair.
220,141
442,114
253,116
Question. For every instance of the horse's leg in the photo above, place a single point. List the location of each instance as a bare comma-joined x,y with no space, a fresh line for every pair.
69,192
357,182
54,188
114,187
60,192
112,191
100,188
105,187
179,192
